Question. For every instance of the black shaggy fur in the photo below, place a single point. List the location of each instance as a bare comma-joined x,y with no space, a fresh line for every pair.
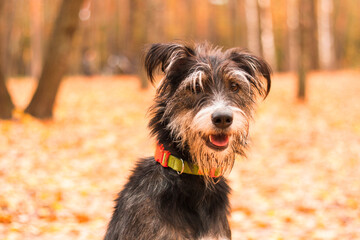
157,203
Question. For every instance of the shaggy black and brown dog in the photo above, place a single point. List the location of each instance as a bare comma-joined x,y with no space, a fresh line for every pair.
200,120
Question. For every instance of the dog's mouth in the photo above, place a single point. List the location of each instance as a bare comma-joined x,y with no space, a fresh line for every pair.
218,141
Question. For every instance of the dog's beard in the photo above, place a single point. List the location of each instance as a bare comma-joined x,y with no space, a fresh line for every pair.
208,159
212,161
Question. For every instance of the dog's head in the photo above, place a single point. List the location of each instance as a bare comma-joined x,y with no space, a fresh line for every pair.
205,100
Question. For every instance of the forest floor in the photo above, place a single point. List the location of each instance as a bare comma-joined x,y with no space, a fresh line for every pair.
301,180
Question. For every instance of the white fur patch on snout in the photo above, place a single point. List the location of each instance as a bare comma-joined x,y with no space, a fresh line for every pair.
203,121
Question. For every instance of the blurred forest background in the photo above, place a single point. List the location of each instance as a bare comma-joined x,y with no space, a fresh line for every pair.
62,162
112,33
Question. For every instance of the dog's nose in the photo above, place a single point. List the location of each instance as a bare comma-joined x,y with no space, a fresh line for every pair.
222,118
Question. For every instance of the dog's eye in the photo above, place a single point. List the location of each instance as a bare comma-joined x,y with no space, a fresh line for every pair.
194,89
234,87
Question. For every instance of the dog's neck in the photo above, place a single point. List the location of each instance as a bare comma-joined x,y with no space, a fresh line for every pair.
167,159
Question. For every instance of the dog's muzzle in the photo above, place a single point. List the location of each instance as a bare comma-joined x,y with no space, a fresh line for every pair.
222,120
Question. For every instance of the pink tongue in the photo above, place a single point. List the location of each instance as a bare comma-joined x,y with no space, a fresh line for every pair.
219,140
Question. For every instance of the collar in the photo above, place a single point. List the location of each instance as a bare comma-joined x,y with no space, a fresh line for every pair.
165,158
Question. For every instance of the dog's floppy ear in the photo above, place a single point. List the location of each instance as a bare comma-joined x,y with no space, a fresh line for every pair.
164,56
256,67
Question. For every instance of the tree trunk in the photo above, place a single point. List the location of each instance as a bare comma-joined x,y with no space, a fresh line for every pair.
2,2
138,21
293,33
6,105
41,105
6,35
241,31
342,27
267,35
232,9
305,45
312,35
87,38
252,22
326,36
36,10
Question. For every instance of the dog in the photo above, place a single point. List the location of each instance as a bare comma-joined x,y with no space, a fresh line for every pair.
200,121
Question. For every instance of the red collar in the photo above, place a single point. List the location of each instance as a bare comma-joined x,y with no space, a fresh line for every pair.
165,158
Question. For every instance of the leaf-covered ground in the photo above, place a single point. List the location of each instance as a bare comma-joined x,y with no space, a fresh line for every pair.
58,179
